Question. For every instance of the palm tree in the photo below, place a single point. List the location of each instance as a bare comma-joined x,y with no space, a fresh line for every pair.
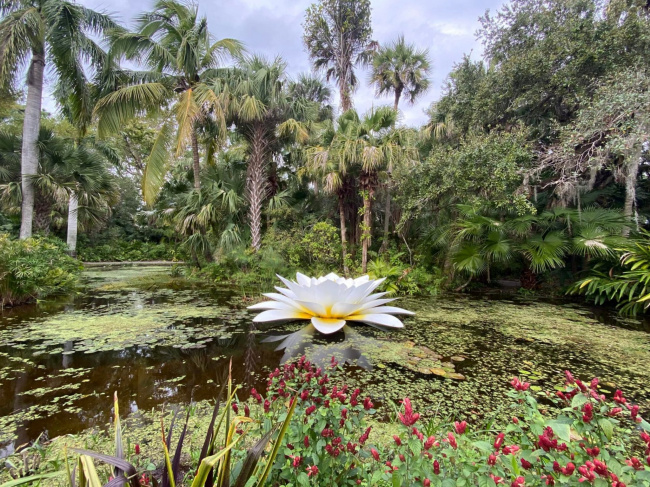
369,145
56,33
266,116
337,38
173,42
403,70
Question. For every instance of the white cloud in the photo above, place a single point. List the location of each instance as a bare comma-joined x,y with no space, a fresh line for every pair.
274,27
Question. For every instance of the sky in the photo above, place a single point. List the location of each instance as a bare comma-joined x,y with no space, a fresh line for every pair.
274,27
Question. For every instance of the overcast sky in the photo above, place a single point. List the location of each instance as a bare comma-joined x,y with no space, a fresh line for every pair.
274,27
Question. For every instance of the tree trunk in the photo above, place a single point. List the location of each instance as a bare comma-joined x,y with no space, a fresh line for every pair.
31,128
256,185
42,213
398,95
384,244
73,218
344,239
196,161
631,172
368,187
346,100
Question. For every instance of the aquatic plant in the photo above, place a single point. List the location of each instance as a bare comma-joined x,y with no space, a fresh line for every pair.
329,301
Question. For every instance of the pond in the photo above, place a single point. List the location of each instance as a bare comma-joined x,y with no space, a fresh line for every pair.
158,340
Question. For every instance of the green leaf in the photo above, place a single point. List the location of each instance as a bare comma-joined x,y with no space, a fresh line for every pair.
607,427
483,445
561,429
579,400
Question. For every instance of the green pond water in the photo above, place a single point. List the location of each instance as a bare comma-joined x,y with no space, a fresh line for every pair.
158,340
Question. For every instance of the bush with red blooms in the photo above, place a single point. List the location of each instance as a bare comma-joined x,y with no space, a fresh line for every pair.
588,439
327,431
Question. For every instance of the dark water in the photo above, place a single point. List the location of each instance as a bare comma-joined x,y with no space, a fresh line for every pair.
55,380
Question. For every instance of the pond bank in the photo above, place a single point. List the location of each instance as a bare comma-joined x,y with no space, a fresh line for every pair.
160,340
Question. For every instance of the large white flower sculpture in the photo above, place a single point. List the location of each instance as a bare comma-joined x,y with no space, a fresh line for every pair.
329,302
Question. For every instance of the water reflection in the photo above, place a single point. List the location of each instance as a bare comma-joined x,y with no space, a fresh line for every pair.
346,346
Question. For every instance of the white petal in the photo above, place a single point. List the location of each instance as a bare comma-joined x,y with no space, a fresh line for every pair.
394,310
332,277
375,302
327,293
286,292
327,326
375,296
377,319
303,280
312,308
341,310
272,305
280,315
361,280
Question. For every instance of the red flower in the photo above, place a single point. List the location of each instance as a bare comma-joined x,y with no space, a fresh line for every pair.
296,461
247,411
634,411
313,470
306,441
452,440
364,437
556,467
499,441
518,385
367,404
593,452
436,467
426,483
569,378
375,454
587,412
460,427
515,420
429,443
526,464
409,417
137,449
235,407
492,460
635,463
267,406
615,411
310,410
569,469
618,397
507,450
397,439
587,473
518,482
497,480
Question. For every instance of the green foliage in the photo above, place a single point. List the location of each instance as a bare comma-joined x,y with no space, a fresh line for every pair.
129,250
34,268
627,284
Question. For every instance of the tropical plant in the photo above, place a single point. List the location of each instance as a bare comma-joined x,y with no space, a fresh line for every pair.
215,461
266,116
337,38
34,269
48,32
174,43
401,69
627,284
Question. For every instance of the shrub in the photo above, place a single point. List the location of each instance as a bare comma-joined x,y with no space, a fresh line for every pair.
129,251
576,437
34,268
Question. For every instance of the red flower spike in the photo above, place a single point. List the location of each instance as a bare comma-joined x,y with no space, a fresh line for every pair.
312,471
409,418
397,439
460,427
499,441
526,464
137,449
375,454
436,467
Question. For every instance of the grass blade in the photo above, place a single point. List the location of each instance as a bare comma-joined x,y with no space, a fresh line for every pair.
120,463
252,459
30,479
278,442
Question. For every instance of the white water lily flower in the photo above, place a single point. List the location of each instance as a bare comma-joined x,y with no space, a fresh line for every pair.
329,302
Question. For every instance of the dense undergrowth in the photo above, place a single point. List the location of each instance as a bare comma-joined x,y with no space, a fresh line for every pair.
34,269
312,429
130,251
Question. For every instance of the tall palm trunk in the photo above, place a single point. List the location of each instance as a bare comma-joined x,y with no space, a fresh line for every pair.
344,238
31,128
346,99
368,188
195,160
256,184
73,220
631,172
384,244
